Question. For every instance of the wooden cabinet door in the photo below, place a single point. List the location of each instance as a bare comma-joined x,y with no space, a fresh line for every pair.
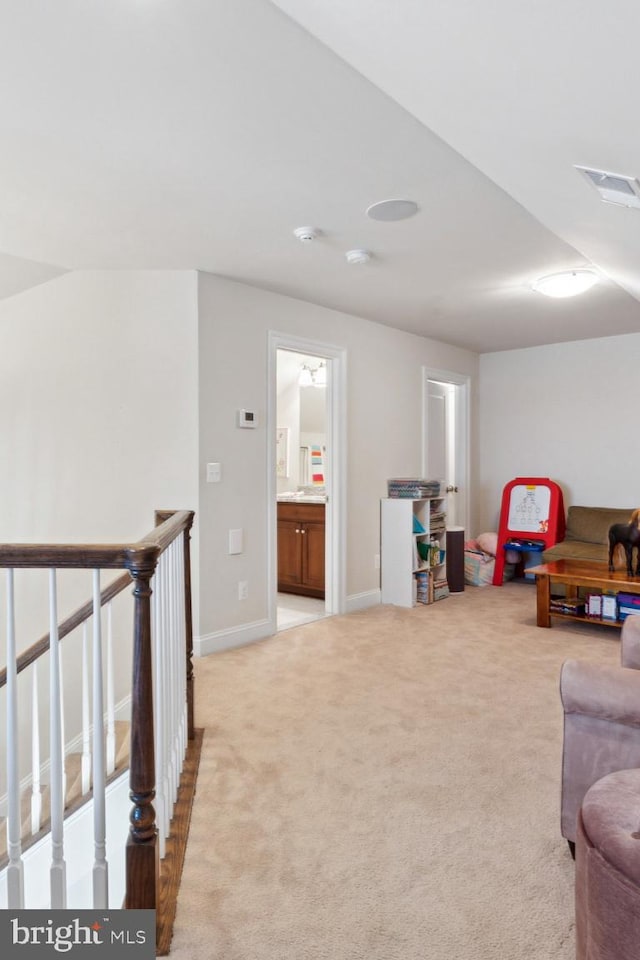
313,558
289,554
301,548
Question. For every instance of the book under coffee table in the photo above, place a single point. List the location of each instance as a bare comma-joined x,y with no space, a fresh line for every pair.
586,574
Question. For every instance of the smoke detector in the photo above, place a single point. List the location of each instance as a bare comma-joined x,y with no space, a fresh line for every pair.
613,187
358,256
305,234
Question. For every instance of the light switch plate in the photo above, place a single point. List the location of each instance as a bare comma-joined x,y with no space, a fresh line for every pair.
214,472
235,541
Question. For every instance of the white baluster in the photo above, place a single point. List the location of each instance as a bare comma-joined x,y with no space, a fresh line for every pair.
86,720
58,868
111,708
36,788
100,867
175,776
15,873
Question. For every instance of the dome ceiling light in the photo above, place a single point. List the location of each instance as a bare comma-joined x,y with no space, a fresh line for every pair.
390,210
567,284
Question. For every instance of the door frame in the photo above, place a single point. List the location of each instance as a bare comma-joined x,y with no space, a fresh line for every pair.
335,509
462,385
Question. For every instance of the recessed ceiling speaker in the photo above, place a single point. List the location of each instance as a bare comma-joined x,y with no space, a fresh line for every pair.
390,210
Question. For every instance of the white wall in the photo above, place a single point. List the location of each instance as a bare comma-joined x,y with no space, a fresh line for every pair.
384,389
565,411
98,421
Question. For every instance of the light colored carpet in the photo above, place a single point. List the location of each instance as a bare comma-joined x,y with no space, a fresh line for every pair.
385,786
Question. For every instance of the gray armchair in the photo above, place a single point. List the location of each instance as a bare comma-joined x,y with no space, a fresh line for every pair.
601,723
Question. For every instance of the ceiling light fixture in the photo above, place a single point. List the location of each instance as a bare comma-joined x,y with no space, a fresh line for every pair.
567,284
358,256
390,210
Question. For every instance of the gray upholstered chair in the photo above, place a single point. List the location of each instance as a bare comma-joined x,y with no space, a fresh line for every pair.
608,869
601,723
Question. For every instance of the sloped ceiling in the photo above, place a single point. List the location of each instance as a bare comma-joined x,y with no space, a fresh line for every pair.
199,133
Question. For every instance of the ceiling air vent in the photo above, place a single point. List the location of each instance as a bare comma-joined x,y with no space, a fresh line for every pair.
613,187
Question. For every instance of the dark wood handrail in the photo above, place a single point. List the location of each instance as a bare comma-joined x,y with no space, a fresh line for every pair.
82,556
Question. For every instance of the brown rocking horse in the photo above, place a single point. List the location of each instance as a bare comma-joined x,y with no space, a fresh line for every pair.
626,535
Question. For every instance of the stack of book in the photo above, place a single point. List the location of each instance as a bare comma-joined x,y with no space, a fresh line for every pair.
572,605
413,488
440,589
628,605
428,589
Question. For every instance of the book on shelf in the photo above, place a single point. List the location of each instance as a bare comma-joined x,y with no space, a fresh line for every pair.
413,488
572,605
440,589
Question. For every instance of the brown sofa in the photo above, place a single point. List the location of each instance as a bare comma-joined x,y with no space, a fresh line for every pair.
586,536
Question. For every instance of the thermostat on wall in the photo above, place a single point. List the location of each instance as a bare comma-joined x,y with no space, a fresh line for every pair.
246,418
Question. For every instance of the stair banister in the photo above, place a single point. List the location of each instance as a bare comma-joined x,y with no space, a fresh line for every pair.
140,560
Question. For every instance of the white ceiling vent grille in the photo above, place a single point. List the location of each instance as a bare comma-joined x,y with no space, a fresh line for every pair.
613,187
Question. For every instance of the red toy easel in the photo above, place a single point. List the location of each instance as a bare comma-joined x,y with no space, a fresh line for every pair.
532,509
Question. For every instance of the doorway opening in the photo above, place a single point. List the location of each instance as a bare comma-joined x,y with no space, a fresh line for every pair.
445,449
306,464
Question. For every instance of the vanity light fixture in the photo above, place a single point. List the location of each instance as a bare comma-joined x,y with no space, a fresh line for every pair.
320,379
306,376
567,284
313,376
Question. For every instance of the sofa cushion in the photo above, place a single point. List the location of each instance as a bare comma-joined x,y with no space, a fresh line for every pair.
576,550
591,524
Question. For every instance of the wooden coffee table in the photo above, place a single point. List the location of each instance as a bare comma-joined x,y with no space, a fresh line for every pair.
578,573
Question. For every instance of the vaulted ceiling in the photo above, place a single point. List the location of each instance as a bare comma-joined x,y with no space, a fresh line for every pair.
197,134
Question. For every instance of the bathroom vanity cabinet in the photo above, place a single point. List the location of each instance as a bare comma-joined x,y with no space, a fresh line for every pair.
301,548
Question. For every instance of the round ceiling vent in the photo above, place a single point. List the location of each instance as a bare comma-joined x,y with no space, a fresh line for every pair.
389,210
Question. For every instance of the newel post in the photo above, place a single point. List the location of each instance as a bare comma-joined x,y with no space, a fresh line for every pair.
188,628
142,865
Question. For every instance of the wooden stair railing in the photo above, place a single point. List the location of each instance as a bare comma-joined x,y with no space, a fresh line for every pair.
142,562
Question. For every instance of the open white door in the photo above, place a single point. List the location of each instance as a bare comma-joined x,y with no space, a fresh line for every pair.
445,439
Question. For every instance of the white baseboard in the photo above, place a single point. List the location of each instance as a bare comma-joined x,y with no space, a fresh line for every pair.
233,637
261,629
360,601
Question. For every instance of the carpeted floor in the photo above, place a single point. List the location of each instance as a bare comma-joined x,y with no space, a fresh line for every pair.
385,786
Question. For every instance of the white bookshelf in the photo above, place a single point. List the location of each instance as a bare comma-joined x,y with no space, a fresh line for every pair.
400,537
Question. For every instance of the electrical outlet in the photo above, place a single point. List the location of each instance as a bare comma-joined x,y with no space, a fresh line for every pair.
243,589
376,561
